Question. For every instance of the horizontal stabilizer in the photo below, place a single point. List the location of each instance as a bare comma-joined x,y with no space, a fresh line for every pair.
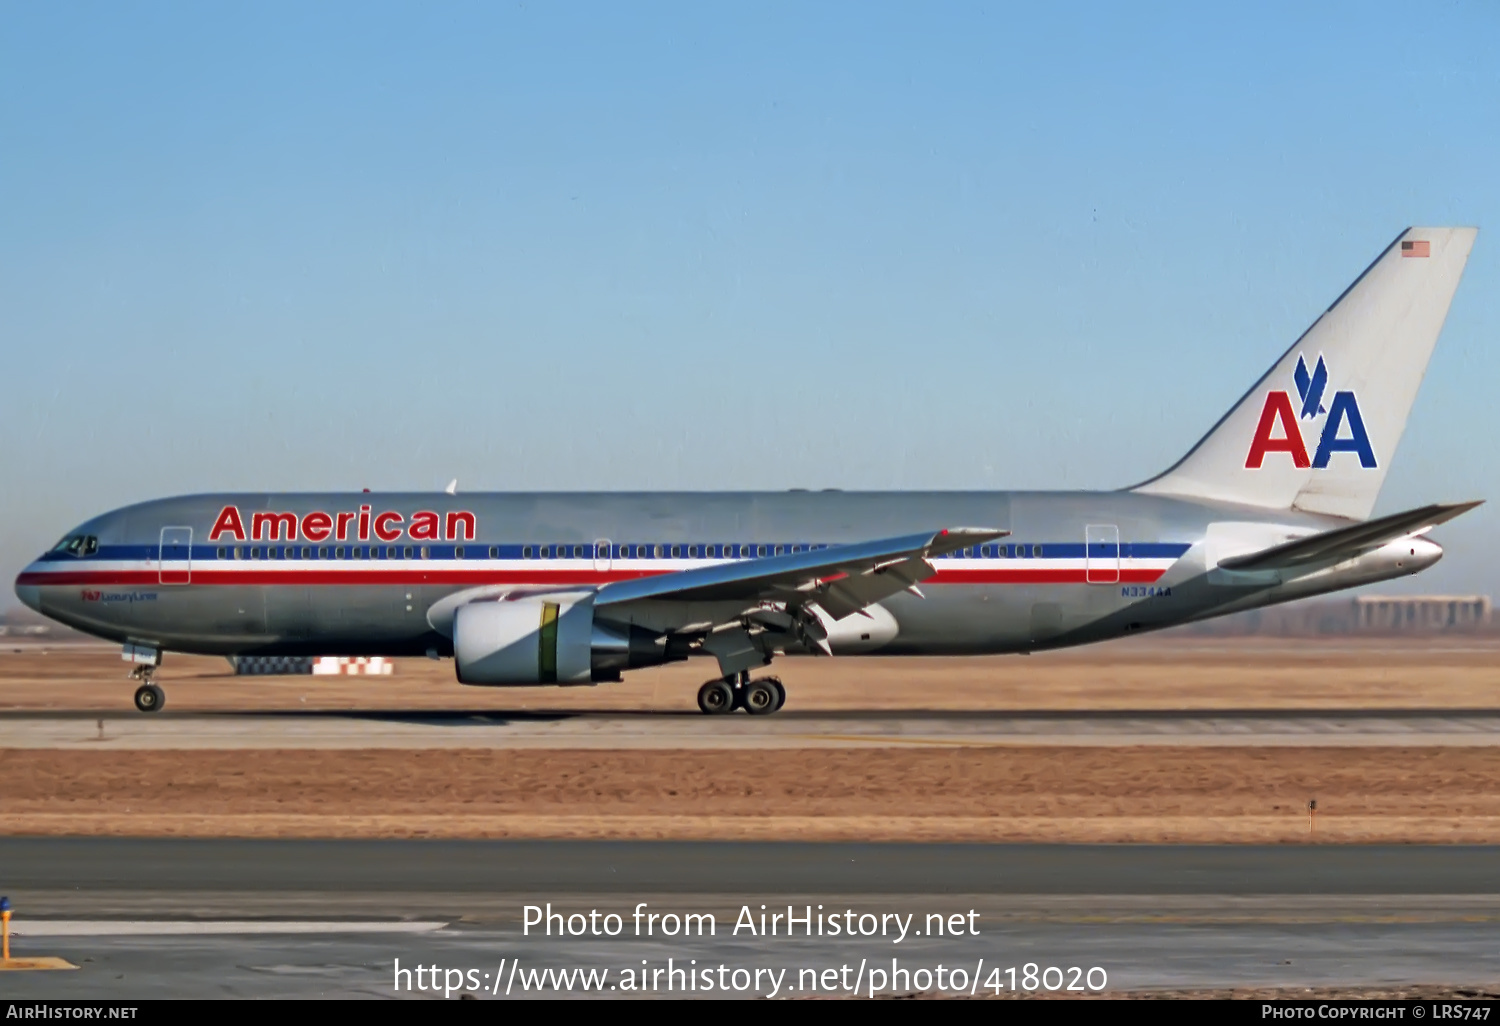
1347,542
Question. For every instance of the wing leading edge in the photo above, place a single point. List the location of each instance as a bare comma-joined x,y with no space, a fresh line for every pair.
841,579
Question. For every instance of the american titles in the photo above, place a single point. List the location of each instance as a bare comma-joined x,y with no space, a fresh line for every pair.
346,525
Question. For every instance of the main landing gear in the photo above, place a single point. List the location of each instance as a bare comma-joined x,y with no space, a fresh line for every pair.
757,697
149,697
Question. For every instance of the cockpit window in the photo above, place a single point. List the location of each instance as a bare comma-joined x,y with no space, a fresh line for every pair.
78,545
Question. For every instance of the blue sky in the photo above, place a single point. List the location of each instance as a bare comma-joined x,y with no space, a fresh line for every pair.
659,245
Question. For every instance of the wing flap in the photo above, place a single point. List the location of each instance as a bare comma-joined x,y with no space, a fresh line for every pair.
1347,542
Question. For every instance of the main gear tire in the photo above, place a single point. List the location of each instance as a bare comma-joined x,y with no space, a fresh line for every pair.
760,698
716,698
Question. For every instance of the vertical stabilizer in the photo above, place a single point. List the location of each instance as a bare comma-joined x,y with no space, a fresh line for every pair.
1318,431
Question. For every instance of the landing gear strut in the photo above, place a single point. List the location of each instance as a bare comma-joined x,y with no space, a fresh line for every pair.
726,694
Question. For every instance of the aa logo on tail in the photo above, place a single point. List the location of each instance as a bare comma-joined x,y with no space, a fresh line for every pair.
1280,427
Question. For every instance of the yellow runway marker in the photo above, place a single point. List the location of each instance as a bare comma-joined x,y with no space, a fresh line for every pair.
13,964
41,962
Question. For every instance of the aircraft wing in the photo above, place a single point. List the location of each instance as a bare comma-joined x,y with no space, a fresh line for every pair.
1347,542
840,579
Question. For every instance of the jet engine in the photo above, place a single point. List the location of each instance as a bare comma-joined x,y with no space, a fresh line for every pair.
549,639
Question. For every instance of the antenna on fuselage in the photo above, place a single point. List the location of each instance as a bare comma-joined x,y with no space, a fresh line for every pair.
452,488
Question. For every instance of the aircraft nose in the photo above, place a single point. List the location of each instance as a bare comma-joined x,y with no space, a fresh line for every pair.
29,594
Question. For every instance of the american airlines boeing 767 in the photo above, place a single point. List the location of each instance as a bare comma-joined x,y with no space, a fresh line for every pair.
1272,504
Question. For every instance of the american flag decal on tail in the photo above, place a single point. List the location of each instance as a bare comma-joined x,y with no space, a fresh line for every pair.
1416,248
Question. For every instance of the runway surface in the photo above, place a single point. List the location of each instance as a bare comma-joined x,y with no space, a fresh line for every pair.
423,729
626,867
158,918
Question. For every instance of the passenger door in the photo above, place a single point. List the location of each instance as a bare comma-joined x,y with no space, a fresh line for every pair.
1101,560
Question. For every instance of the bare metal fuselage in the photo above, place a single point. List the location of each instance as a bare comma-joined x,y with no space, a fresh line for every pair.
1077,567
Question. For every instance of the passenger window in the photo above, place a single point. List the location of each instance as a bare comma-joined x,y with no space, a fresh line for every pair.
409,552
458,552
760,550
338,553
546,552
661,552
424,552
323,552
1036,552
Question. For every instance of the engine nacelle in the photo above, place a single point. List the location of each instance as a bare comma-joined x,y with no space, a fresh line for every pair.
548,639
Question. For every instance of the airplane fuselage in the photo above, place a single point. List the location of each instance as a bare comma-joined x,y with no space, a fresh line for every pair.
366,574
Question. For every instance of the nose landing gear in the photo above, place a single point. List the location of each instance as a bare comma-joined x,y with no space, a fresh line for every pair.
726,694
149,698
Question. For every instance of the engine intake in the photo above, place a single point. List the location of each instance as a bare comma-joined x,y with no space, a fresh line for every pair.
548,639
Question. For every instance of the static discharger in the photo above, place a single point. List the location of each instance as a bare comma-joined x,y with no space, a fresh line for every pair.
11,964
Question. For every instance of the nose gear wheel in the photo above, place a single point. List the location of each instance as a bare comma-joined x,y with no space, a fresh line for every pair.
149,698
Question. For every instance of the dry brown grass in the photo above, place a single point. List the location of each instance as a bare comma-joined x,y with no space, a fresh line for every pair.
1156,794
1145,795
